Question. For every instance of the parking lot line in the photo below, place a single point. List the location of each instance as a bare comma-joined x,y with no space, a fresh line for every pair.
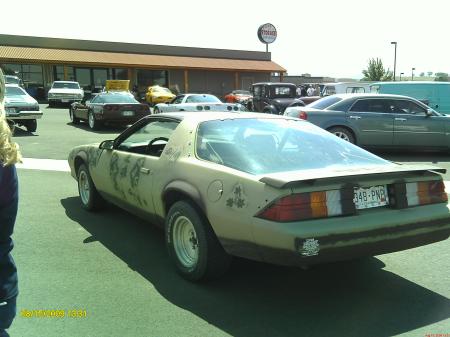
44,164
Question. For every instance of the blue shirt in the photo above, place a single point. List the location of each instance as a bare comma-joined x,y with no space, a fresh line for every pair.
9,197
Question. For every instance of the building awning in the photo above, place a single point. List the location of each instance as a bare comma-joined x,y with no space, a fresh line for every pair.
113,59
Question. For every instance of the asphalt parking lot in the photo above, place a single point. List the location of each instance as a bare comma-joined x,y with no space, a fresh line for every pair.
112,268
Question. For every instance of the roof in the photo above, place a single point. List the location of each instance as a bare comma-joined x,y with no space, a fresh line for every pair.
274,83
104,58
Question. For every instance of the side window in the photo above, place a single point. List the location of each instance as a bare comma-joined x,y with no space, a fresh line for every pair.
329,90
257,91
264,91
177,100
416,109
400,106
370,105
355,90
150,139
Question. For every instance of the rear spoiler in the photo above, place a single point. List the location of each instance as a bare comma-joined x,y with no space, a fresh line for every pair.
309,177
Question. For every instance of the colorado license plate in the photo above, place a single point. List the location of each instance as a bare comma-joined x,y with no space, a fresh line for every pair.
368,197
128,113
64,101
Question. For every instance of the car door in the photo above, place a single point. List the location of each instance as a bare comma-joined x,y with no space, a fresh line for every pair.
127,170
173,105
413,127
372,121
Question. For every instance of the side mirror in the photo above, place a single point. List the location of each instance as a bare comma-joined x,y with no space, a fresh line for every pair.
429,112
106,145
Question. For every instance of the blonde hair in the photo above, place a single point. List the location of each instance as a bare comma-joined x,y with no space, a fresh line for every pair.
9,151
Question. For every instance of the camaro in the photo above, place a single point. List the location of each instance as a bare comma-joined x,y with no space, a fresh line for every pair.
263,187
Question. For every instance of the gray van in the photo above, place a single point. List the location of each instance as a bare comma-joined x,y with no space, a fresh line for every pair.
435,94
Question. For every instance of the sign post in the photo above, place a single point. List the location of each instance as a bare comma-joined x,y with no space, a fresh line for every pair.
267,33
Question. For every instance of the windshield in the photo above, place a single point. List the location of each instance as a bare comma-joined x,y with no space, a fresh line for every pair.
15,91
65,85
202,99
117,98
162,90
325,102
261,146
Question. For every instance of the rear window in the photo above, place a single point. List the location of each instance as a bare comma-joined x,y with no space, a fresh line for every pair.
283,91
116,98
261,146
65,85
202,99
325,102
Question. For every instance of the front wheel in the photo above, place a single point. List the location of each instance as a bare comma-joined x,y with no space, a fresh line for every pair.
31,125
73,119
93,123
91,200
343,133
193,245
156,110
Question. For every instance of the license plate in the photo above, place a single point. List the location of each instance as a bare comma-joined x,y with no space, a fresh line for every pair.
368,197
64,101
10,111
128,113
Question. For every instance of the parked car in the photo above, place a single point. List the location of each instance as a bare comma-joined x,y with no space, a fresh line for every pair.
114,107
11,79
375,120
21,108
65,92
435,94
186,102
274,98
239,96
345,88
264,187
157,94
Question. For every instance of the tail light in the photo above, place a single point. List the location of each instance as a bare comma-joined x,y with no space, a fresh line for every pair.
309,205
303,115
425,192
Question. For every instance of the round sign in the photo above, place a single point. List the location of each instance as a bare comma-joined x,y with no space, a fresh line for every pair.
267,33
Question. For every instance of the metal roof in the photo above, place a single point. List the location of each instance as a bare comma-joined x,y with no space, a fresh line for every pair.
102,58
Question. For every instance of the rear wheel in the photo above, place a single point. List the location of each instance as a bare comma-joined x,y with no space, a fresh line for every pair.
90,198
343,133
156,110
93,123
193,245
31,125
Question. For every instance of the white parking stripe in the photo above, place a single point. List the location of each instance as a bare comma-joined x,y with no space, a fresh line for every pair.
44,164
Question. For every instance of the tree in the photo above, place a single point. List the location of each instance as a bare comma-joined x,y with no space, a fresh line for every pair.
430,73
422,74
375,71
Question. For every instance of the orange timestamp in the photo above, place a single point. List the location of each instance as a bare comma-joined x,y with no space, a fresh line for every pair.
53,313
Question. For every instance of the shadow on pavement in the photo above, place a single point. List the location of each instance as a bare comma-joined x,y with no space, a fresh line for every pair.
19,132
104,129
356,298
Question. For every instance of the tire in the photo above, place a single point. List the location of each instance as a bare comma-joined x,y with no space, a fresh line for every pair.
31,125
343,133
192,245
156,110
73,119
51,104
91,200
93,123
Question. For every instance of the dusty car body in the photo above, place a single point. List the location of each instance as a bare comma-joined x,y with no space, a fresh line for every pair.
264,187
379,121
21,108
117,107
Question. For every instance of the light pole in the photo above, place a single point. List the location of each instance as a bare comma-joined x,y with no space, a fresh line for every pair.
412,73
395,56
401,75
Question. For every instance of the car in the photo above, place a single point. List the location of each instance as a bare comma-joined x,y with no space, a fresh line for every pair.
188,102
274,98
239,96
263,187
11,79
21,108
113,107
379,121
64,92
157,94
345,88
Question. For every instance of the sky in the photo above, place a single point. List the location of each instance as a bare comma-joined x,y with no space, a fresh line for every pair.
322,38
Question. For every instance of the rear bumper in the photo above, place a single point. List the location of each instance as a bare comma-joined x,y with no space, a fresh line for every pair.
117,117
64,100
25,115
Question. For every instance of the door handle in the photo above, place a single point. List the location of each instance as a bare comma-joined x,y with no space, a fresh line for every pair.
354,117
145,170
401,119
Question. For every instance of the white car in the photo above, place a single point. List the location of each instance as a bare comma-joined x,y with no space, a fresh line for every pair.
65,92
196,102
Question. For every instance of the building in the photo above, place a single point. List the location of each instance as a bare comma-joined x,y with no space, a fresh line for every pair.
41,60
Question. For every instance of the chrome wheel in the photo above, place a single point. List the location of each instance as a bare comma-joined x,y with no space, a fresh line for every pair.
84,187
342,135
185,242
91,120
